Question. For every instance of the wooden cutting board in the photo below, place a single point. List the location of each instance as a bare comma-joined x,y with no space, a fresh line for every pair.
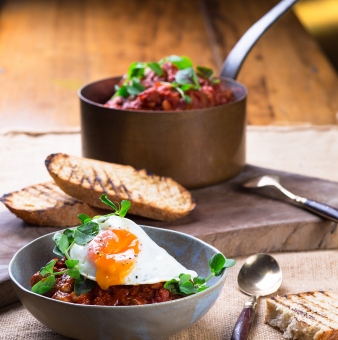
237,221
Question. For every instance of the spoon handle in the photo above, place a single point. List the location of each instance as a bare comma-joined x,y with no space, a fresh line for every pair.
321,209
238,54
244,322
318,208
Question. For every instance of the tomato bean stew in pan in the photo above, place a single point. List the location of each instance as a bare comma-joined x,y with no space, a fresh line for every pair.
169,85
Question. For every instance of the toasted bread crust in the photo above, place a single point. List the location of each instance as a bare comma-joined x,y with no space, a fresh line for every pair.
47,205
310,315
151,196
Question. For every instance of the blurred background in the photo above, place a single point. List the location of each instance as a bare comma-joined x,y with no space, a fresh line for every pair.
320,18
49,49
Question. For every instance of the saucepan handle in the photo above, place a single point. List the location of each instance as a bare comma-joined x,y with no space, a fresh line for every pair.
240,51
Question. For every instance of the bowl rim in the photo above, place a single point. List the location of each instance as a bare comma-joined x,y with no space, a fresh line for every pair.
156,305
233,81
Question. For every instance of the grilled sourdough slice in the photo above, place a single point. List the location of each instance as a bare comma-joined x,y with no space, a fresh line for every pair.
151,196
47,205
311,315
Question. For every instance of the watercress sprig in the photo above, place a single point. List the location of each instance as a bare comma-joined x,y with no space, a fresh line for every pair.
132,84
81,236
88,229
185,285
181,62
48,280
207,73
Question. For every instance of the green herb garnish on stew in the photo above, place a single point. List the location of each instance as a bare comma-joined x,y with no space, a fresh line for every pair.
185,285
89,228
185,79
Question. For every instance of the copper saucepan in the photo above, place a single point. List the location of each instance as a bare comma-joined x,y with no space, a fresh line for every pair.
197,148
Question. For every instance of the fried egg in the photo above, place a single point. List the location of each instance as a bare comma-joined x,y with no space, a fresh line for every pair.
123,254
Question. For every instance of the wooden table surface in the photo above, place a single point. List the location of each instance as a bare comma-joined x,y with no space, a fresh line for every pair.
48,49
236,221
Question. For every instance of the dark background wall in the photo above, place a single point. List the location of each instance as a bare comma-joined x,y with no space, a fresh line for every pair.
320,18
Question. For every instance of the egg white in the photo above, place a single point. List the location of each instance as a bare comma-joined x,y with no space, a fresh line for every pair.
153,263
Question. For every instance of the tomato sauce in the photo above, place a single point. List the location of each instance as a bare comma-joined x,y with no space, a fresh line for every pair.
160,96
120,295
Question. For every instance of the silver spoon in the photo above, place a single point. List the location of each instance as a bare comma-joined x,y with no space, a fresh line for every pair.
318,208
260,275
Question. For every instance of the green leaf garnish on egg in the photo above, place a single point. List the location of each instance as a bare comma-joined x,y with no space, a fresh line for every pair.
81,236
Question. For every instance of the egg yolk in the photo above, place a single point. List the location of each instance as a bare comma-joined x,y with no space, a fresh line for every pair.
114,252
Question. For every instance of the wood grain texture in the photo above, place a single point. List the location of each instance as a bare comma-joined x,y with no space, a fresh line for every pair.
286,73
49,49
232,219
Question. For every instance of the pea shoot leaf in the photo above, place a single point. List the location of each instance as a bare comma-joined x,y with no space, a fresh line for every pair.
184,285
186,87
70,234
125,205
57,237
199,280
205,72
121,91
57,251
187,288
135,88
84,218
201,288
63,243
136,69
156,68
48,268
216,263
82,285
187,76
90,228
186,98
229,263
184,278
181,62
85,233
172,286
104,199
137,83
44,286
71,263
74,272
132,90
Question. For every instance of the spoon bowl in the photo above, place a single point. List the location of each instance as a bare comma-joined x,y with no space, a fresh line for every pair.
260,275
261,181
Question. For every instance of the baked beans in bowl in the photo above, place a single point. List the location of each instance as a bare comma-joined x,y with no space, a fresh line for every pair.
149,321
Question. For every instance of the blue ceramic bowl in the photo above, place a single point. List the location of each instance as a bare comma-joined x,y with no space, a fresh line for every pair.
156,321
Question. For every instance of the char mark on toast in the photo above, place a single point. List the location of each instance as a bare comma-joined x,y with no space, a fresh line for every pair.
151,196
